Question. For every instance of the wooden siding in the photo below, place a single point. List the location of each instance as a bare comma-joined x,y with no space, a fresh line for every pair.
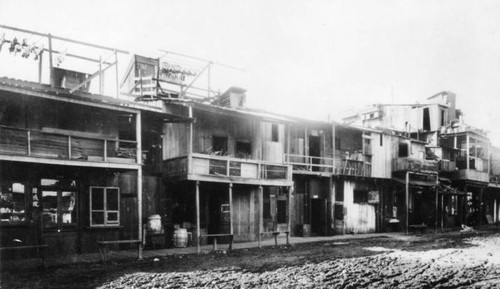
245,213
175,140
381,156
358,218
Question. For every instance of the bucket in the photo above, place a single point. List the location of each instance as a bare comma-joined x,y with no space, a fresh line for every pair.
180,238
154,223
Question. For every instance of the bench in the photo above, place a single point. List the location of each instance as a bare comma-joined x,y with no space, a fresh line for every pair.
103,247
40,250
216,236
275,235
418,228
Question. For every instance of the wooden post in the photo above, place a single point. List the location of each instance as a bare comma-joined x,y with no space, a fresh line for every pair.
139,209
290,190
231,208
138,132
442,212
467,152
105,156
69,147
117,76
40,65
481,206
407,197
261,214
190,141
437,211
333,193
198,230
29,142
101,82
51,63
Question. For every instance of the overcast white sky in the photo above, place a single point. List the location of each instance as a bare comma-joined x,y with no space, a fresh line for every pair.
306,58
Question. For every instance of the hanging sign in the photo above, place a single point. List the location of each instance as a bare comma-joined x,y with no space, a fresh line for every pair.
174,73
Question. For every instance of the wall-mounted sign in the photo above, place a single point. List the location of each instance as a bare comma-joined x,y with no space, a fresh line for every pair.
174,73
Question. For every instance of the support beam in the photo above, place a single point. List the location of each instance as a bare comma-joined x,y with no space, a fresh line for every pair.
442,212
407,200
198,230
261,214
437,211
139,209
231,208
190,141
290,190
51,62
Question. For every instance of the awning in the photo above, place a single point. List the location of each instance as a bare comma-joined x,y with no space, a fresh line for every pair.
416,182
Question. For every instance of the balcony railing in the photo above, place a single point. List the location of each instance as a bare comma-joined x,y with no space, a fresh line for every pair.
209,165
339,165
416,165
447,166
71,146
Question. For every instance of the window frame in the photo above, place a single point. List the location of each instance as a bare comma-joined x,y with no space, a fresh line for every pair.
105,210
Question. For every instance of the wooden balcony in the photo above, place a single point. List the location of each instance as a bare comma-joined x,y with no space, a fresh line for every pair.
57,147
447,166
339,166
415,165
212,168
472,175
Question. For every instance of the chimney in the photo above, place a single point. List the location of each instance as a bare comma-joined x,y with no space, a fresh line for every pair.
234,97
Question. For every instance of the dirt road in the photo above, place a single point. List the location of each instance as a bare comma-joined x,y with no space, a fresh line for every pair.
442,261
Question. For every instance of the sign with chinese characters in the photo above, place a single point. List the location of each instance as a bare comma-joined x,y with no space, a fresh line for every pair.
175,73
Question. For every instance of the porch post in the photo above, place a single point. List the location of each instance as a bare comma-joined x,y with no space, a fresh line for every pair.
261,215
139,209
437,211
442,212
231,207
138,132
407,197
198,230
290,190
481,206
190,140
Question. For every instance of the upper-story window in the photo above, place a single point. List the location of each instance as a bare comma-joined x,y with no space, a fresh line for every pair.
243,149
219,145
275,137
403,150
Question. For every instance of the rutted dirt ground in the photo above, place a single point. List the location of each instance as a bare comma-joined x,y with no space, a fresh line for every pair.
433,261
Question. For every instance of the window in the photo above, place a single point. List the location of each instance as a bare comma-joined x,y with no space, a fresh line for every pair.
275,133
443,117
58,203
243,149
402,150
426,120
360,196
58,208
339,191
219,145
381,139
12,202
104,206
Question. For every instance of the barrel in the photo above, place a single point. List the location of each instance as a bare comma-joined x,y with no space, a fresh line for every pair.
180,238
154,223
